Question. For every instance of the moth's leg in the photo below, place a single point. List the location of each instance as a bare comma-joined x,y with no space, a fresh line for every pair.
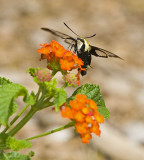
71,47
68,47
75,49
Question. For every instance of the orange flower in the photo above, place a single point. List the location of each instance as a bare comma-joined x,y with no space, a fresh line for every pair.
87,119
70,61
60,59
51,50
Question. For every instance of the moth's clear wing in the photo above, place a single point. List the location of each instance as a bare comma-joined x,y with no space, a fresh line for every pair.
99,52
59,34
70,41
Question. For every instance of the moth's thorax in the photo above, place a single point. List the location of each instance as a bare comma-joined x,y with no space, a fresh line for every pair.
82,44
87,46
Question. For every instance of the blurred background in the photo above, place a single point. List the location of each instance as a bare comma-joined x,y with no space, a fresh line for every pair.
119,28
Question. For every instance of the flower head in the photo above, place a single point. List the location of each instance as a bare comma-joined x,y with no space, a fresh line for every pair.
44,75
70,61
84,112
70,79
60,59
51,50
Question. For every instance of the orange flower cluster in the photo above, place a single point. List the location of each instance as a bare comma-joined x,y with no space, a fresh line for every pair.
84,112
59,58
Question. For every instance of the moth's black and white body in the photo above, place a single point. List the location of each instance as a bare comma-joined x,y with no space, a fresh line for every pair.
82,48
83,51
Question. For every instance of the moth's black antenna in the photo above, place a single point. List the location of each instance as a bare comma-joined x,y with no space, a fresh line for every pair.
91,36
70,29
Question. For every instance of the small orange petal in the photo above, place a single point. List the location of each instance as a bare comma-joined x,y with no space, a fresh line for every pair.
99,118
67,113
89,119
81,98
46,49
95,129
59,53
86,137
66,65
79,116
76,105
92,104
85,110
82,128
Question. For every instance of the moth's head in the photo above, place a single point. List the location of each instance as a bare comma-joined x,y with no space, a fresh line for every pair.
83,42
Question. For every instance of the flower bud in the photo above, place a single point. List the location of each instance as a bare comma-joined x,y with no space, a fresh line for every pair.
44,75
71,79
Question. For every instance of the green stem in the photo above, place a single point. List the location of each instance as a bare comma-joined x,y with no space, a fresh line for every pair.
52,131
23,121
53,73
17,116
40,105
38,93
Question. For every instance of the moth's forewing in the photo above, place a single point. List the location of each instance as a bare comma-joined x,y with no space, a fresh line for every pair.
57,33
99,52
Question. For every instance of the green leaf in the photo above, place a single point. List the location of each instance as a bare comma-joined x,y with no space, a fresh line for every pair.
8,92
14,156
17,145
33,71
13,108
30,99
92,91
59,98
104,111
4,81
